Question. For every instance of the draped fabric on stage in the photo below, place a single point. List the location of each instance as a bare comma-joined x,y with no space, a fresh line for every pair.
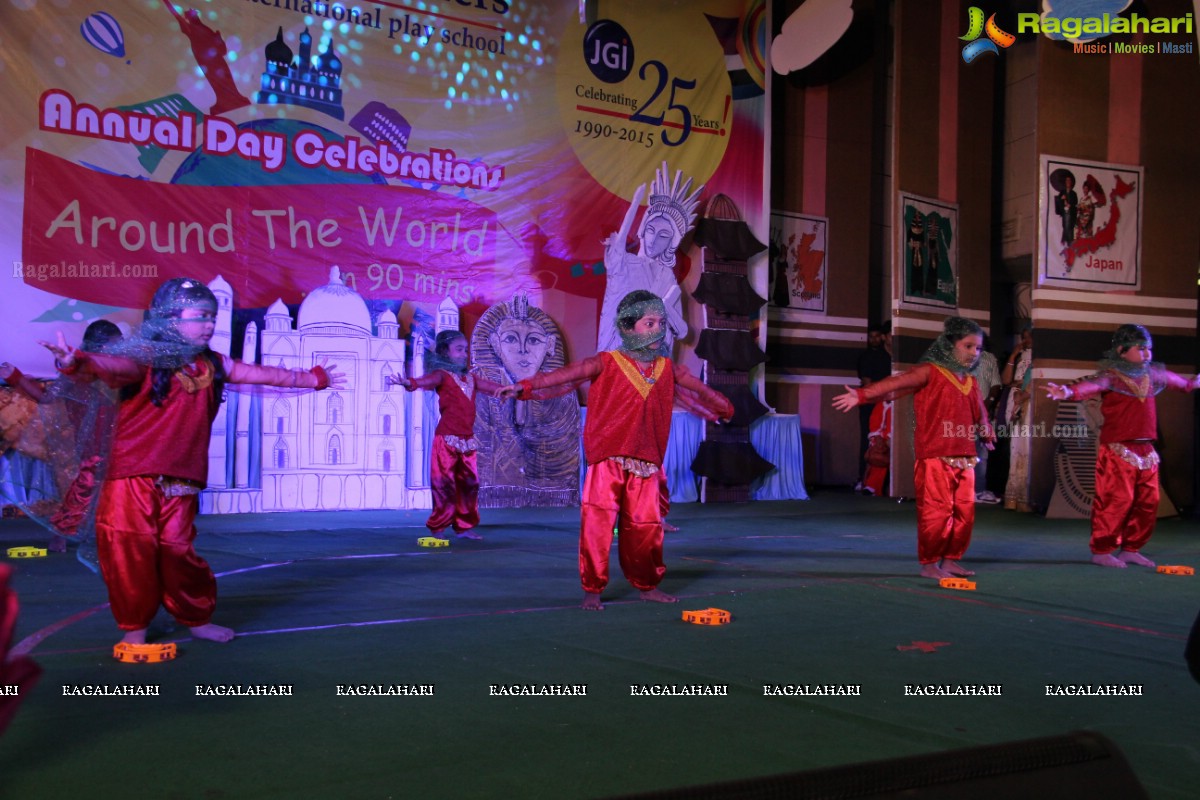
686,432
25,480
778,438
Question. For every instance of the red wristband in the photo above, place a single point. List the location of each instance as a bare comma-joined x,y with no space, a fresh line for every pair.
322,377
71,368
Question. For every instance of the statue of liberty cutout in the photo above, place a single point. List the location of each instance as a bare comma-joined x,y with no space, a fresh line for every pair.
670,215
209,50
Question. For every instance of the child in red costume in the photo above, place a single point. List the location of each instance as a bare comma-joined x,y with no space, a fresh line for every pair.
879,444
949,416
453,465
19,672
1125,507
84,460
171,385
624,441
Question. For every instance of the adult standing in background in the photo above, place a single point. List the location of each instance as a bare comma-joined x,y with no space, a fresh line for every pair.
1017,376
990,386
874,364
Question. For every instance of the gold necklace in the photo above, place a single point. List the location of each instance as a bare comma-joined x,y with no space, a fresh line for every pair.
465,383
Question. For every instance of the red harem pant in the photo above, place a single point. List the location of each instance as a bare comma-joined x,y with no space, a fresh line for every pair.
144,541
454,483
19,672
610,493
945,509
664,494
1125,508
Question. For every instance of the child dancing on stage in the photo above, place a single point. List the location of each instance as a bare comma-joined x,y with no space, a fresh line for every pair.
1125,507
51,436
624,441
453,465
171,385
949,416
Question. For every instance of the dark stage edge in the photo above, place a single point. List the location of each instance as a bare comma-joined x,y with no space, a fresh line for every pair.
822,592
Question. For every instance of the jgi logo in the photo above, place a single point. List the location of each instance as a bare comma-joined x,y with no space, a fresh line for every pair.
608,51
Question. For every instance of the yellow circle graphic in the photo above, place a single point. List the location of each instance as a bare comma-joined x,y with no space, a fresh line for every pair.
673,105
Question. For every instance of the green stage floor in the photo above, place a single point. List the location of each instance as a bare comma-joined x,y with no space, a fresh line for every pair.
822,593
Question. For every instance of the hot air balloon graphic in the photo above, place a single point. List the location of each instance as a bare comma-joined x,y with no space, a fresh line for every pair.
102,31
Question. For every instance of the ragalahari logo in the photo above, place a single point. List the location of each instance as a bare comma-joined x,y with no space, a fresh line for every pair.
976,27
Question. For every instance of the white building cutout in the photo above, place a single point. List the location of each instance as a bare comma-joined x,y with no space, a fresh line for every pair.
357,447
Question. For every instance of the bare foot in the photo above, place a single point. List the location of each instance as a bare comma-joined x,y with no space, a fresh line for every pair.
955,569
134,637
1108,560
214,633
933,571
469,534
658,596
591,602
1134,557
669,528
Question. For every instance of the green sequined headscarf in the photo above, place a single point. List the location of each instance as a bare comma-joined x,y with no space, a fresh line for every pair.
1125,337
634,306
941,352
440,357
157,342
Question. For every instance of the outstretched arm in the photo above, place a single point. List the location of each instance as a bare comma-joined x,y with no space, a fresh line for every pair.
320,376
571,376
513,390
889,388
21,382
115,371
487,386
1173,380
430,380
1081,389
700,399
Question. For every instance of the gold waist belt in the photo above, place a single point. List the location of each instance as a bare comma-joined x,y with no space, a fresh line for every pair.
960,462
1148,461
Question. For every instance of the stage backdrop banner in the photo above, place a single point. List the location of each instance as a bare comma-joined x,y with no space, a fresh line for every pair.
469,152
